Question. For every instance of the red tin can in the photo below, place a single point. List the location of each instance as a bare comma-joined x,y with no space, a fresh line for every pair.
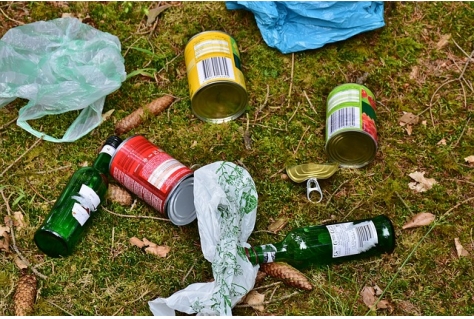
157,178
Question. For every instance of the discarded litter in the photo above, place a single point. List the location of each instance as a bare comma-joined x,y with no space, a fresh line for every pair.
65,224
157,178
225,197
292,26
326,244
59,66
216,82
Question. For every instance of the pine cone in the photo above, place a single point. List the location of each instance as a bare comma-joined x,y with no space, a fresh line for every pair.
288,274
119,195
136,117
25,295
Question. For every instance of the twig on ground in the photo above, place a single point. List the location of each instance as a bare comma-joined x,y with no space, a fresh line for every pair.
462,133
277,173
13,20
260,108
293,115
36,192
135,216
268,286
7,124
187,274
404,203
301,139
333,193
18,159
291,77
62,309
15,248
309,102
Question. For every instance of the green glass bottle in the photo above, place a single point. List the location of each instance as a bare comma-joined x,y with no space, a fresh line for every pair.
66,221
326,244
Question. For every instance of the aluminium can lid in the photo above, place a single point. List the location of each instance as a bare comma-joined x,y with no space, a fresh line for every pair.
351,149
219,102
180,206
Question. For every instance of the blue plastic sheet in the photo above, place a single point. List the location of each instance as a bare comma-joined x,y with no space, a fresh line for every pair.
292,26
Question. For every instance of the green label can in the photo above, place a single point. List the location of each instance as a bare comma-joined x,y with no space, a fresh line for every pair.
351,132
216,82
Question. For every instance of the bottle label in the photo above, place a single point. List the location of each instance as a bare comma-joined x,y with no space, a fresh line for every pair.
108,149
80,213
87,202
349,239
269,252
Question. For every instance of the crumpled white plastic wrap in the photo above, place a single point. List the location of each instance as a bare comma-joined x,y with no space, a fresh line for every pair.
226,199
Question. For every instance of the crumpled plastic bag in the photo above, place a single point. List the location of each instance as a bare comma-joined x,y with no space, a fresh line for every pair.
59,66
225,198
292,26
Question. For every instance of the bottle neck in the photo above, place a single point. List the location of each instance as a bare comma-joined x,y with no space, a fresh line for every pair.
102,161
264,254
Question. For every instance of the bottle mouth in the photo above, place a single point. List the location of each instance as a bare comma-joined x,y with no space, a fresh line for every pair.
51,244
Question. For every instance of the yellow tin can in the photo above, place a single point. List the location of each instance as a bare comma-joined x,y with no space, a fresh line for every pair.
351,132
216,82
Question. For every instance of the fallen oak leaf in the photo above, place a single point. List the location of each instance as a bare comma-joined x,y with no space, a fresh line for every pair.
155,12
18,220
369,298
161,251
408,118
421,219
278,225
255,300
469,159
462,252
443,41
421,184
137,242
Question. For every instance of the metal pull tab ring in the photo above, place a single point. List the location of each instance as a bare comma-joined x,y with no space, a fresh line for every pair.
311,186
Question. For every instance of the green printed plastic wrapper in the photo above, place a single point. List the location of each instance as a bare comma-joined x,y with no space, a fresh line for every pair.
59,66
225,198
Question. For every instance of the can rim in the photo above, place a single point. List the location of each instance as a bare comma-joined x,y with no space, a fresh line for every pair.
365,160
172,198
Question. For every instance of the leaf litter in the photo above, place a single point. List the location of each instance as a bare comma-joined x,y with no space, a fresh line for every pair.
421,219
421,183
461,251
150,247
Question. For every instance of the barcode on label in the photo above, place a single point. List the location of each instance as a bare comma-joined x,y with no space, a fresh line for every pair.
365,234
344,118
216,67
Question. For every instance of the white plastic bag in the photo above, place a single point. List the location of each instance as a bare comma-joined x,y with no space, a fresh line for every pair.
226,207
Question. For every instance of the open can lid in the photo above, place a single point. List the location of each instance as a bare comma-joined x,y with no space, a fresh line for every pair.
180,207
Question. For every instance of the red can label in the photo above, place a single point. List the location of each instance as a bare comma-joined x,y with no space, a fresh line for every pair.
147,171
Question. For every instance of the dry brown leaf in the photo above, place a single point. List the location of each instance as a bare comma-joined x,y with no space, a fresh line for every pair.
442,142
414,73
255,299
119,195
137,242
369,297
153,13
421,219
408,118
5,242
421,184
462,252
161,251
409,129
408,308
107,115
4,229
443,41
278,225
18,220
469,159
20,263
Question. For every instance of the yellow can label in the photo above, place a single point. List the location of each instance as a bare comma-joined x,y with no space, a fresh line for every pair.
212,56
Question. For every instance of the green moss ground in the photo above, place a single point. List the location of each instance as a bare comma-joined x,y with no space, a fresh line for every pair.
407,72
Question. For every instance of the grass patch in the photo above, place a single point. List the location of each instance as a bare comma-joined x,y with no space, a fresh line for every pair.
407,71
